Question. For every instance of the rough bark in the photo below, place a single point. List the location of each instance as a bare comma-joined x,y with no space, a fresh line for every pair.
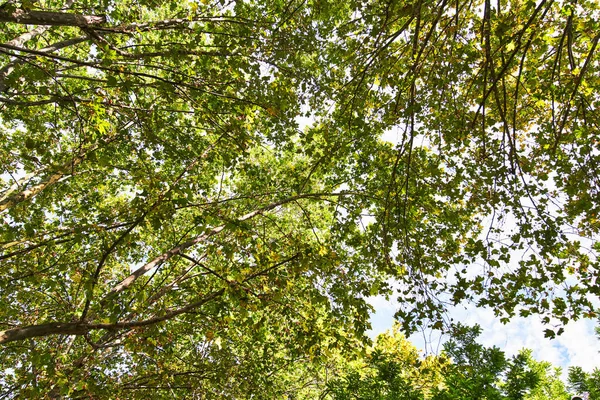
52,328
21,16
27,36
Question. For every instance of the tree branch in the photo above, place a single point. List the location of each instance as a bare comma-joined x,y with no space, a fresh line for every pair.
10,198
21,16
8,68
27,36
125,283
77,328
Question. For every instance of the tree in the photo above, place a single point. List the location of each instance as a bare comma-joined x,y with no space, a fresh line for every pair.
550,385
580,382
169,228
493,98
477,372
393,369
390,369
585,382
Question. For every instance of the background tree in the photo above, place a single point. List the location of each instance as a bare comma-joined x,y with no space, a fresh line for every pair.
477,372
584,382
551,385
391,369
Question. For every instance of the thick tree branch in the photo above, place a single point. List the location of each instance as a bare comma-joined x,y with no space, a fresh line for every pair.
21,16
27,36
52,328
10,198
76,328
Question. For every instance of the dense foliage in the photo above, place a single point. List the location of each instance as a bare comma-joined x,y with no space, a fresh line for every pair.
392,369
170,226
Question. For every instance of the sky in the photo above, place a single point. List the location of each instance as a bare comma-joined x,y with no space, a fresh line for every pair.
577,346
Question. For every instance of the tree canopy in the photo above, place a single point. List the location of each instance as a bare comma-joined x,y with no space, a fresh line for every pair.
196,195
466,370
